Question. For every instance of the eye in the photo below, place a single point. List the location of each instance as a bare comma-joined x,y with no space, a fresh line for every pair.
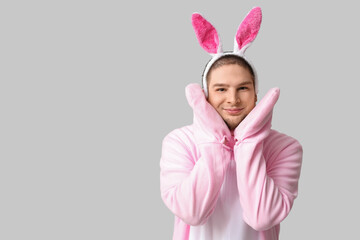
220,89
243,88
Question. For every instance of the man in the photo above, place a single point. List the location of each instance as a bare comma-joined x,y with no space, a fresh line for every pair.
229,175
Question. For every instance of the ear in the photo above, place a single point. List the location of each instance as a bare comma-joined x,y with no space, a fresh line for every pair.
206,34
248,30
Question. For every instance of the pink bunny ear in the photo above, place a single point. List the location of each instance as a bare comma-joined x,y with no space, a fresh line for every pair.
248,30
206,34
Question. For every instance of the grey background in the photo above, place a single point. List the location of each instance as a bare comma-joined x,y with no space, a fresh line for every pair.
88,90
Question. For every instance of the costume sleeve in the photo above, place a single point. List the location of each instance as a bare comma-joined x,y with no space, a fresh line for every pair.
267,178
190,186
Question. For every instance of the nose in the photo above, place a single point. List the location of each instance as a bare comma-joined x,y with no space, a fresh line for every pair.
233,97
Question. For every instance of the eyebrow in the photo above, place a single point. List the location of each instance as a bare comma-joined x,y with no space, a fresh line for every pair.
226,85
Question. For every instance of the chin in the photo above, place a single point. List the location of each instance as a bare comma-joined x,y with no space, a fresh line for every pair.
233,124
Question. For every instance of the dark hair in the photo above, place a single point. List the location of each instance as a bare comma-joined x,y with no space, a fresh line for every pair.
231,59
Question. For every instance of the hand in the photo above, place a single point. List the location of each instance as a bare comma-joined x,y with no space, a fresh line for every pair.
256,125
208,124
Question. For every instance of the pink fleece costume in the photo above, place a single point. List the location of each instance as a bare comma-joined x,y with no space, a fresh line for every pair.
222,185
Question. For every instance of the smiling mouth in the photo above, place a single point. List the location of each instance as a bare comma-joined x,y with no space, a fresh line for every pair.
234,111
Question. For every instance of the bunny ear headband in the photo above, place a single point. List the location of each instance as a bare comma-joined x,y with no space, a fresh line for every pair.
210,42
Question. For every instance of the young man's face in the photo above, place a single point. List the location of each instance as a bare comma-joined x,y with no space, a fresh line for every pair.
231,93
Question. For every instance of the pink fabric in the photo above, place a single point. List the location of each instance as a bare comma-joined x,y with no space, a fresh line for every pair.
268,167
210,126
249,28
206,34
257,124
